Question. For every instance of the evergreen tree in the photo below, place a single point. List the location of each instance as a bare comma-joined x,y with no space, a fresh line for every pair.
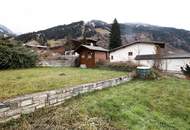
186,70
115,37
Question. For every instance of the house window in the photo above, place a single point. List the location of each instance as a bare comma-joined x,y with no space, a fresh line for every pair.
111,57
82,56
89,55
130,53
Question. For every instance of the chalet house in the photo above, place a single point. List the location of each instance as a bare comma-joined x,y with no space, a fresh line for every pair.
90,55
149,53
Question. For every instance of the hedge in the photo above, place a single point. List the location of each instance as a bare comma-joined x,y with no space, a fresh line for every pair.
16,56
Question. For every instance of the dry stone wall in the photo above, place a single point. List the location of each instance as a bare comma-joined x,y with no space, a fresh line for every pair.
14,108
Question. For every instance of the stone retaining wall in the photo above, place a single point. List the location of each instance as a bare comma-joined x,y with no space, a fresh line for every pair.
13,108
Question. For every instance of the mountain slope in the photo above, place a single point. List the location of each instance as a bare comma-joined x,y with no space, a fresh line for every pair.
5,31
175,38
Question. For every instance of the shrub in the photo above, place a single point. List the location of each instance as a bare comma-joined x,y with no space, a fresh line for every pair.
152,75
120,66
186,70
16,56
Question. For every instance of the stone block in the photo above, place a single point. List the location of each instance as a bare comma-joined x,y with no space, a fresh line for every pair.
11,113
52,92
99,84
27,110
60,97
2,114
113,83
58,103
52,97
68,97
13,105
40,97
37,102
26,102
40,106
4,107
16,116
67,94
4,120
76,90
60,91
52,101
84,90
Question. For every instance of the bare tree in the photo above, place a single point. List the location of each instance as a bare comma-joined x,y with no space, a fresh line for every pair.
158,58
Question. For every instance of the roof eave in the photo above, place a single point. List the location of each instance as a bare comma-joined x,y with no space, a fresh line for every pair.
161,44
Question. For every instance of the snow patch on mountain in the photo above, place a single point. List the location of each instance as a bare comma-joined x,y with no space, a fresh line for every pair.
5,30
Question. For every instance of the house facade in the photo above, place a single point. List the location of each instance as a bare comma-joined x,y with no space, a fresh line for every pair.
130,51
90,55
149,54
169,63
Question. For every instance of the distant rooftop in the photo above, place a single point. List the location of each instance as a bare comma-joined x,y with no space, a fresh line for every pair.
36,46
95,48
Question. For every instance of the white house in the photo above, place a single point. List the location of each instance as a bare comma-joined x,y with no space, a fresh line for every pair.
147,53
170,63
130,51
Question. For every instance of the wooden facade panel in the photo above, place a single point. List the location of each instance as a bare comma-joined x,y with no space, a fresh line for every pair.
101,56
60,50
88,58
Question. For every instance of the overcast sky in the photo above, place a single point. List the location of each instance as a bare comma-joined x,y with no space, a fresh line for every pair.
32,15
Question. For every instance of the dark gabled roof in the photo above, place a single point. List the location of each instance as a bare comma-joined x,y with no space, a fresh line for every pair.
152,57
76,43
161,44
95,48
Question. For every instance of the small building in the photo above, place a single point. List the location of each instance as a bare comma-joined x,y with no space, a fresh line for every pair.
90,55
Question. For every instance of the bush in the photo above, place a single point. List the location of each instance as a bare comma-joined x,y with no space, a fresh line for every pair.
120,66
186,70
152,75
16,56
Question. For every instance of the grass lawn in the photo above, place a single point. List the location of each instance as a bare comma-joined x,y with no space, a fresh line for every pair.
18,82
138,105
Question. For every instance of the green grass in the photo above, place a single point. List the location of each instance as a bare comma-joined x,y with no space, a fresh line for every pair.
18,82
138,105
